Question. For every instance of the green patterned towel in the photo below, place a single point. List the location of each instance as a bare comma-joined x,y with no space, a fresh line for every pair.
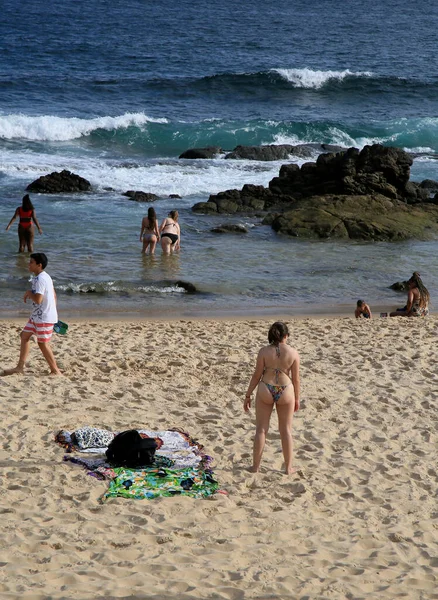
152,482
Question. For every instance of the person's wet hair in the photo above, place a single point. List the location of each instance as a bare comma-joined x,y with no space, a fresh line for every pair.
360,303
152,217
424,293
26,203
277,332
174,215
40,258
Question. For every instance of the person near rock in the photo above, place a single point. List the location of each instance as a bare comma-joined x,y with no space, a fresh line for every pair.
149,233
43,318
277,378
418,299
26,215
362,310
170,233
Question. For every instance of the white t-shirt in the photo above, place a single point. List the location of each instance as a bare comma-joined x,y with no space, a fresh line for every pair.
46,311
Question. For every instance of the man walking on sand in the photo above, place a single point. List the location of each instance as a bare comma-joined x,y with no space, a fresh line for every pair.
44,315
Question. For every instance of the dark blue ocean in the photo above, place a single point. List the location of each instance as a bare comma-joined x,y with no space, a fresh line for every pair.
116,91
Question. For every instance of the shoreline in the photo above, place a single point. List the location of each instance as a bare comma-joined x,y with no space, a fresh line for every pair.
234,314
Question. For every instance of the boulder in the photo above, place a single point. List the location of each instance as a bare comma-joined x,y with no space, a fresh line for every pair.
205,207
187,286
400,286
140,196
356,217
195,153
429,184
57,183
375,169
230,228
264,153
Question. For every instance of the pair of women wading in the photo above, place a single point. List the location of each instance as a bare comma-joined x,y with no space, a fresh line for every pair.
277,379
169,233
26,231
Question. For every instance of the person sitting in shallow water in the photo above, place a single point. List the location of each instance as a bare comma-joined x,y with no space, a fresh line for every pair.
418,299
362,310
277,378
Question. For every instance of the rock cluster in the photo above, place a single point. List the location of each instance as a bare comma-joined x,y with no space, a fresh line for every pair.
140,196
56,183
350,194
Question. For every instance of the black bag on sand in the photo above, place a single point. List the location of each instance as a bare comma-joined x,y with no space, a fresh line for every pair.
129,449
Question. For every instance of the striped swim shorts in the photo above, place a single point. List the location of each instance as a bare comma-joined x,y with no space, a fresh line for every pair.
43,331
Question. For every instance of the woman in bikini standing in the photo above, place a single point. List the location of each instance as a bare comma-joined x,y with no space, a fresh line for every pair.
26,214
277,378
149,233
170,233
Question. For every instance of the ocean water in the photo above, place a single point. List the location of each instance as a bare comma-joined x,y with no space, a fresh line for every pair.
115,92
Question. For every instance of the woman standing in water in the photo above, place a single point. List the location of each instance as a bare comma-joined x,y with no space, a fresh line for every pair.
149,233
418,299
26,214
277,378
170,233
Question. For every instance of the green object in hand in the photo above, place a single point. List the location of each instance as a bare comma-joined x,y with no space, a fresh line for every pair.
60,327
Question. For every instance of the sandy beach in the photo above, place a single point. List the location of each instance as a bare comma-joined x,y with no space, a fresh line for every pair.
359,520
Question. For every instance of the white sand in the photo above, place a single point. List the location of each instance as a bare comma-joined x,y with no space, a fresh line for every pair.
360,521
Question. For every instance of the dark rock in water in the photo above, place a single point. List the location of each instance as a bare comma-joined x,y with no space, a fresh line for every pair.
429,184
187,286
57,183
355,217
141,196
279,151
400,286
208,152
174,196
265,153
230,228
351,194
205,207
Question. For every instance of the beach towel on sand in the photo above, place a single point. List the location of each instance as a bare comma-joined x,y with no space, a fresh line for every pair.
159,482
180,467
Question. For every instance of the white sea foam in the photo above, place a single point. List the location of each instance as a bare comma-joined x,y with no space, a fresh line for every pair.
56,129
158,177
310,79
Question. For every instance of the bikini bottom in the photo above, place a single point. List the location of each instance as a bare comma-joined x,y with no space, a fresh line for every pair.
172,236
276,390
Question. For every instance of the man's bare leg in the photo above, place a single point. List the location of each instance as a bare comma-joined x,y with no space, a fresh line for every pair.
24,353
48,355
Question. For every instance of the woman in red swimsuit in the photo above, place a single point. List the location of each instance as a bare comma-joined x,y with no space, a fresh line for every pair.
26,214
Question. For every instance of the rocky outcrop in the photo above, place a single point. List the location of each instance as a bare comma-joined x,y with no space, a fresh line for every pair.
230,228
252,198
208,152
57,183
187,286
374,170
279,151
140,196
350,194
400,286
374,217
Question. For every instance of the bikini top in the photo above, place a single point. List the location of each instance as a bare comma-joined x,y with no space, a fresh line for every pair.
173,224
277,371
25,215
